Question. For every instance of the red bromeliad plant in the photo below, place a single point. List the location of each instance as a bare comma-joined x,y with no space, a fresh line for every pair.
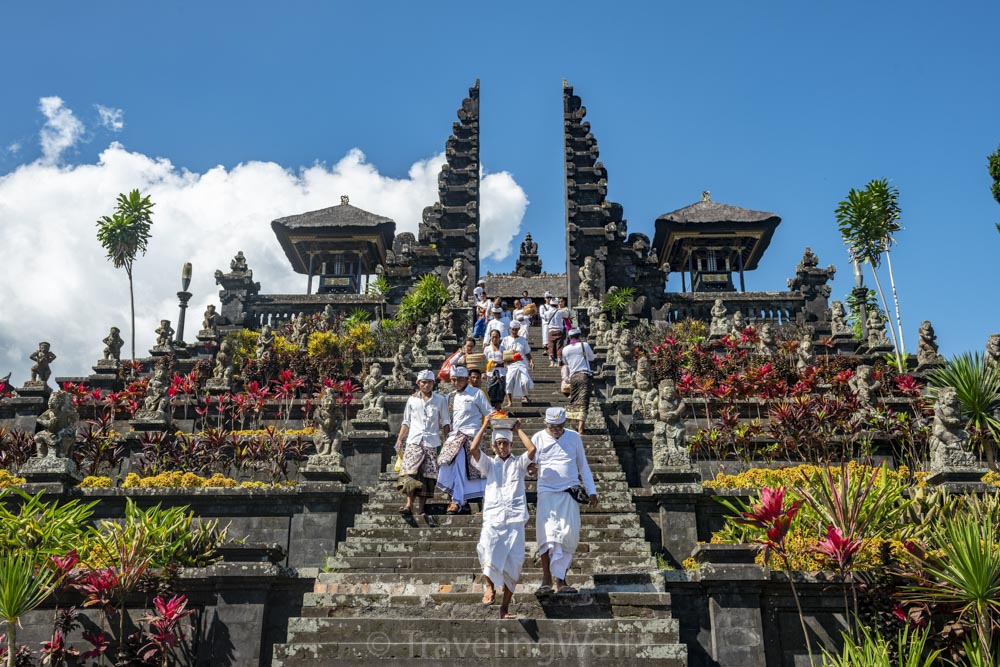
163,628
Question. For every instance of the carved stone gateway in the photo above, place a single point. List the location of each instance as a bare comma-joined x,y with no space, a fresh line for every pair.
811,282
528,264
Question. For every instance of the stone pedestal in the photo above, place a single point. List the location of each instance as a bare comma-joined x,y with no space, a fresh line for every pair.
106,367
218,386
35,389
51,473
368,447
208,336
326,468
150,424
960,480
844,343
674,475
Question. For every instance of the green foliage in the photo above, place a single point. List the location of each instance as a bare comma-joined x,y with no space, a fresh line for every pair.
860,504
872,650
23,586
243,344
378,287
617,302
977,385
993,164
358,316
867,220
125,233
46,529
425,299
854,314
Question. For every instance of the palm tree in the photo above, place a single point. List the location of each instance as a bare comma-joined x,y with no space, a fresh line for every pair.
867,219
124,234
22,588
993,164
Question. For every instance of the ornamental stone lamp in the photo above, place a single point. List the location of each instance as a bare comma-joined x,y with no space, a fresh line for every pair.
184,297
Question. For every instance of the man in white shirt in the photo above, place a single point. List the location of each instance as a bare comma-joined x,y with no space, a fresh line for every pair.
525,299
505,513
425,417
456,474
577,356
499,323
557,331
562,463
545,314
480,290
519,381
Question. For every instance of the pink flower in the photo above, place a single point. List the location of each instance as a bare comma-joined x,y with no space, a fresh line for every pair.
837,548
64,564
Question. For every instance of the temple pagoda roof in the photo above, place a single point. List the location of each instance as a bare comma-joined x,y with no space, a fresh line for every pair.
708,223
334,229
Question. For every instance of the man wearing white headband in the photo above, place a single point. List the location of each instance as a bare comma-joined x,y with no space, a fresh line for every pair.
519,381
577,356
424,418
562,463
456,475
545,313
505,513
498,323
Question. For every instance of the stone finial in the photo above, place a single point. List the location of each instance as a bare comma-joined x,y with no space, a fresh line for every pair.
344,200
706,195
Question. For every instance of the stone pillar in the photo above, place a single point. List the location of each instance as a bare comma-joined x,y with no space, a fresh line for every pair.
678,518
733,587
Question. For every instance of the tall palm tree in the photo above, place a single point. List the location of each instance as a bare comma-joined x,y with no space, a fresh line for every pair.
993,164
124,234
867,220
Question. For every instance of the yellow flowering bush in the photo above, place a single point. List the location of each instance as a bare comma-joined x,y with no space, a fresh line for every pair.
807,475
690,563
93,482
360,338
189,480
324,344
244,344
8,480
282,344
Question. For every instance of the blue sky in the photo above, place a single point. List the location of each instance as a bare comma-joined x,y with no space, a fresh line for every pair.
774,106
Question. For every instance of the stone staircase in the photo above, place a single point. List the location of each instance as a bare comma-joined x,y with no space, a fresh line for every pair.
409,589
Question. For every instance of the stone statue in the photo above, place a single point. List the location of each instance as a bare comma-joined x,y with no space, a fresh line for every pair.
434,333
329,316
949,442
209,324
765,341
402,367
156,404
927,347
838,319
603,327
739,324
458,282
623,359
804,354
223,371
864,387
669,433
373,400
420,343
265,341
59,424
876,330
239,265
644,396
446,319
590,290
300,333
720,323
329,418
113,344
42,357
164,334
993,350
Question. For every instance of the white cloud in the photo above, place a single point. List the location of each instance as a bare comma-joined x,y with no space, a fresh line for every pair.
61,130
111,118
59,286
14,148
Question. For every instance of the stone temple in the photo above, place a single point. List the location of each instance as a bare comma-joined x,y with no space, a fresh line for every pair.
294,401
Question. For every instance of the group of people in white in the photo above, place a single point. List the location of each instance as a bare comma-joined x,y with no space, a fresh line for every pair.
460,467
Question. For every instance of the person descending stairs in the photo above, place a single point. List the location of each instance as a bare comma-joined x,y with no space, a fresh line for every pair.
405,588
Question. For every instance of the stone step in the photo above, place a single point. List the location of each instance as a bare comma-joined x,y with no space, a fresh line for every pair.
387,548
588,519
428,583
333,630
607,504
418,535
596,562
389,477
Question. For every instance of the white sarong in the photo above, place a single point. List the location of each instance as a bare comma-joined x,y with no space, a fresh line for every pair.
453,478
557,529
519,381
501,553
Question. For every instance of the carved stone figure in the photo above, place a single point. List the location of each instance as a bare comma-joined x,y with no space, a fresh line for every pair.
59,424
876,330
623,352
669,449
434,333
720,322
42,357
329,418
864,386
603,329
300,332
113,344
927,347
164,334
458,282
373,400
420,343
402,372
446,319
156,404
223,371
329,316
804,354
209,322
838,319
265,341
949,442
739,324
239,265
765,341
590,291
644,396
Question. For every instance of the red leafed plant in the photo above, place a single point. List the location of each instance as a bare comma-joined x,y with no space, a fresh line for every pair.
163,627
